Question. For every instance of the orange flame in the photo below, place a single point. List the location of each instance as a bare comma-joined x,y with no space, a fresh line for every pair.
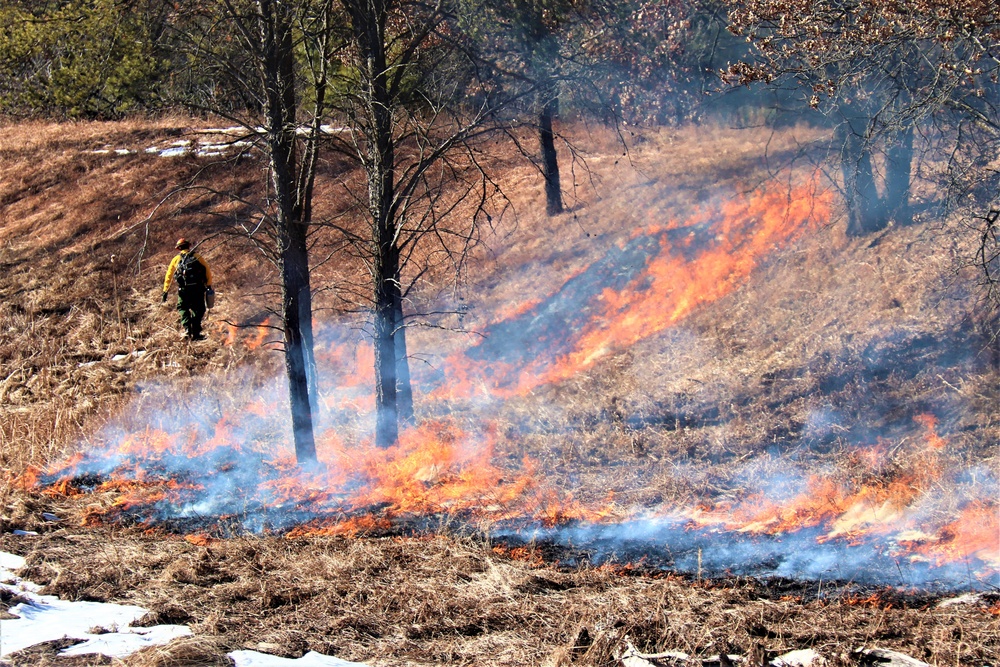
879,506
671,286
975,534
524,554
929,422
353,527
229,332
443,469
260,336
199,540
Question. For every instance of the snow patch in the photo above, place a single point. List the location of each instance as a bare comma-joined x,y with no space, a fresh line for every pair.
802,658
9,562
967,598
43,618
310,659
121,644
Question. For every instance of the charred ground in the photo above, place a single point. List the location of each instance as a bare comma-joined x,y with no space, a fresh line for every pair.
442,600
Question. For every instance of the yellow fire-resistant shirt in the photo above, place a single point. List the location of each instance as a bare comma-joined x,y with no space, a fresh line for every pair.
173,269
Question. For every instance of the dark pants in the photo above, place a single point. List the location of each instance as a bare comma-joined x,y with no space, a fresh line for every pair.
191,304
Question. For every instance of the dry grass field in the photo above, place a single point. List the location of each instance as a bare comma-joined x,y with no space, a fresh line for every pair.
743,387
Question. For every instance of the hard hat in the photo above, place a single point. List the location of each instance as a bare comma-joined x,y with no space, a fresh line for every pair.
182,244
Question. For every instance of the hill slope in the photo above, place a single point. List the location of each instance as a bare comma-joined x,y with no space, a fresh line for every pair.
693,360
680,317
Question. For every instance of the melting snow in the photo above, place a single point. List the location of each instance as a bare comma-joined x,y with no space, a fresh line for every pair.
801,658
43,618
9,562
967,598
310,659
236,129
174,152
138,354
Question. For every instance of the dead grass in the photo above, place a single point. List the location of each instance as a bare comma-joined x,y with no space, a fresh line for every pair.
665,175
806,362
183,652
439,600
831,345
82,273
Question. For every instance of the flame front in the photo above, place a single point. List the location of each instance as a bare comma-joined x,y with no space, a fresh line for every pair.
671,269
445,469
436,470
889,510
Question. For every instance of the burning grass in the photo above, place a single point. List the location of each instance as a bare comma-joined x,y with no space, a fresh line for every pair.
742,387
82,320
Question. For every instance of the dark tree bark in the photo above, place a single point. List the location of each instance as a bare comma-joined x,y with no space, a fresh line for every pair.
276,52
404,387
386,410
368,18
296,313
865,210
277,69
415,136
898,165
550,161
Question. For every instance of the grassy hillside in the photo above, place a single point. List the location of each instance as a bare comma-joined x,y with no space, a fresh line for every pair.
82,275
684,363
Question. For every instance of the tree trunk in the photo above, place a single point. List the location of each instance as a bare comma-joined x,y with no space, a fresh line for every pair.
309,350
404,387
865,210
368,18
297,316
386,288
550,162
898,164
386,409
278,81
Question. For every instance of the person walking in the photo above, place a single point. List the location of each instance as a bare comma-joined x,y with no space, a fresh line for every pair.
194,284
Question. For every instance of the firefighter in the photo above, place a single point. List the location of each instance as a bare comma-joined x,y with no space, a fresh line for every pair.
194,284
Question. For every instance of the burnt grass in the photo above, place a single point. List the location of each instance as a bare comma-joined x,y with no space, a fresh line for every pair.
440,599
831,347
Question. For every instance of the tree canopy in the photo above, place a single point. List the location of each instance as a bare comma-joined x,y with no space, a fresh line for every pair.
92,59
881,71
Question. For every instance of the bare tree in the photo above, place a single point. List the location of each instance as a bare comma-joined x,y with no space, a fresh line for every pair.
414,103
262,57
883,72
542,43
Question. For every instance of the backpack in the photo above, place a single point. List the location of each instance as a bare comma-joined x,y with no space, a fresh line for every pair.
190,272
